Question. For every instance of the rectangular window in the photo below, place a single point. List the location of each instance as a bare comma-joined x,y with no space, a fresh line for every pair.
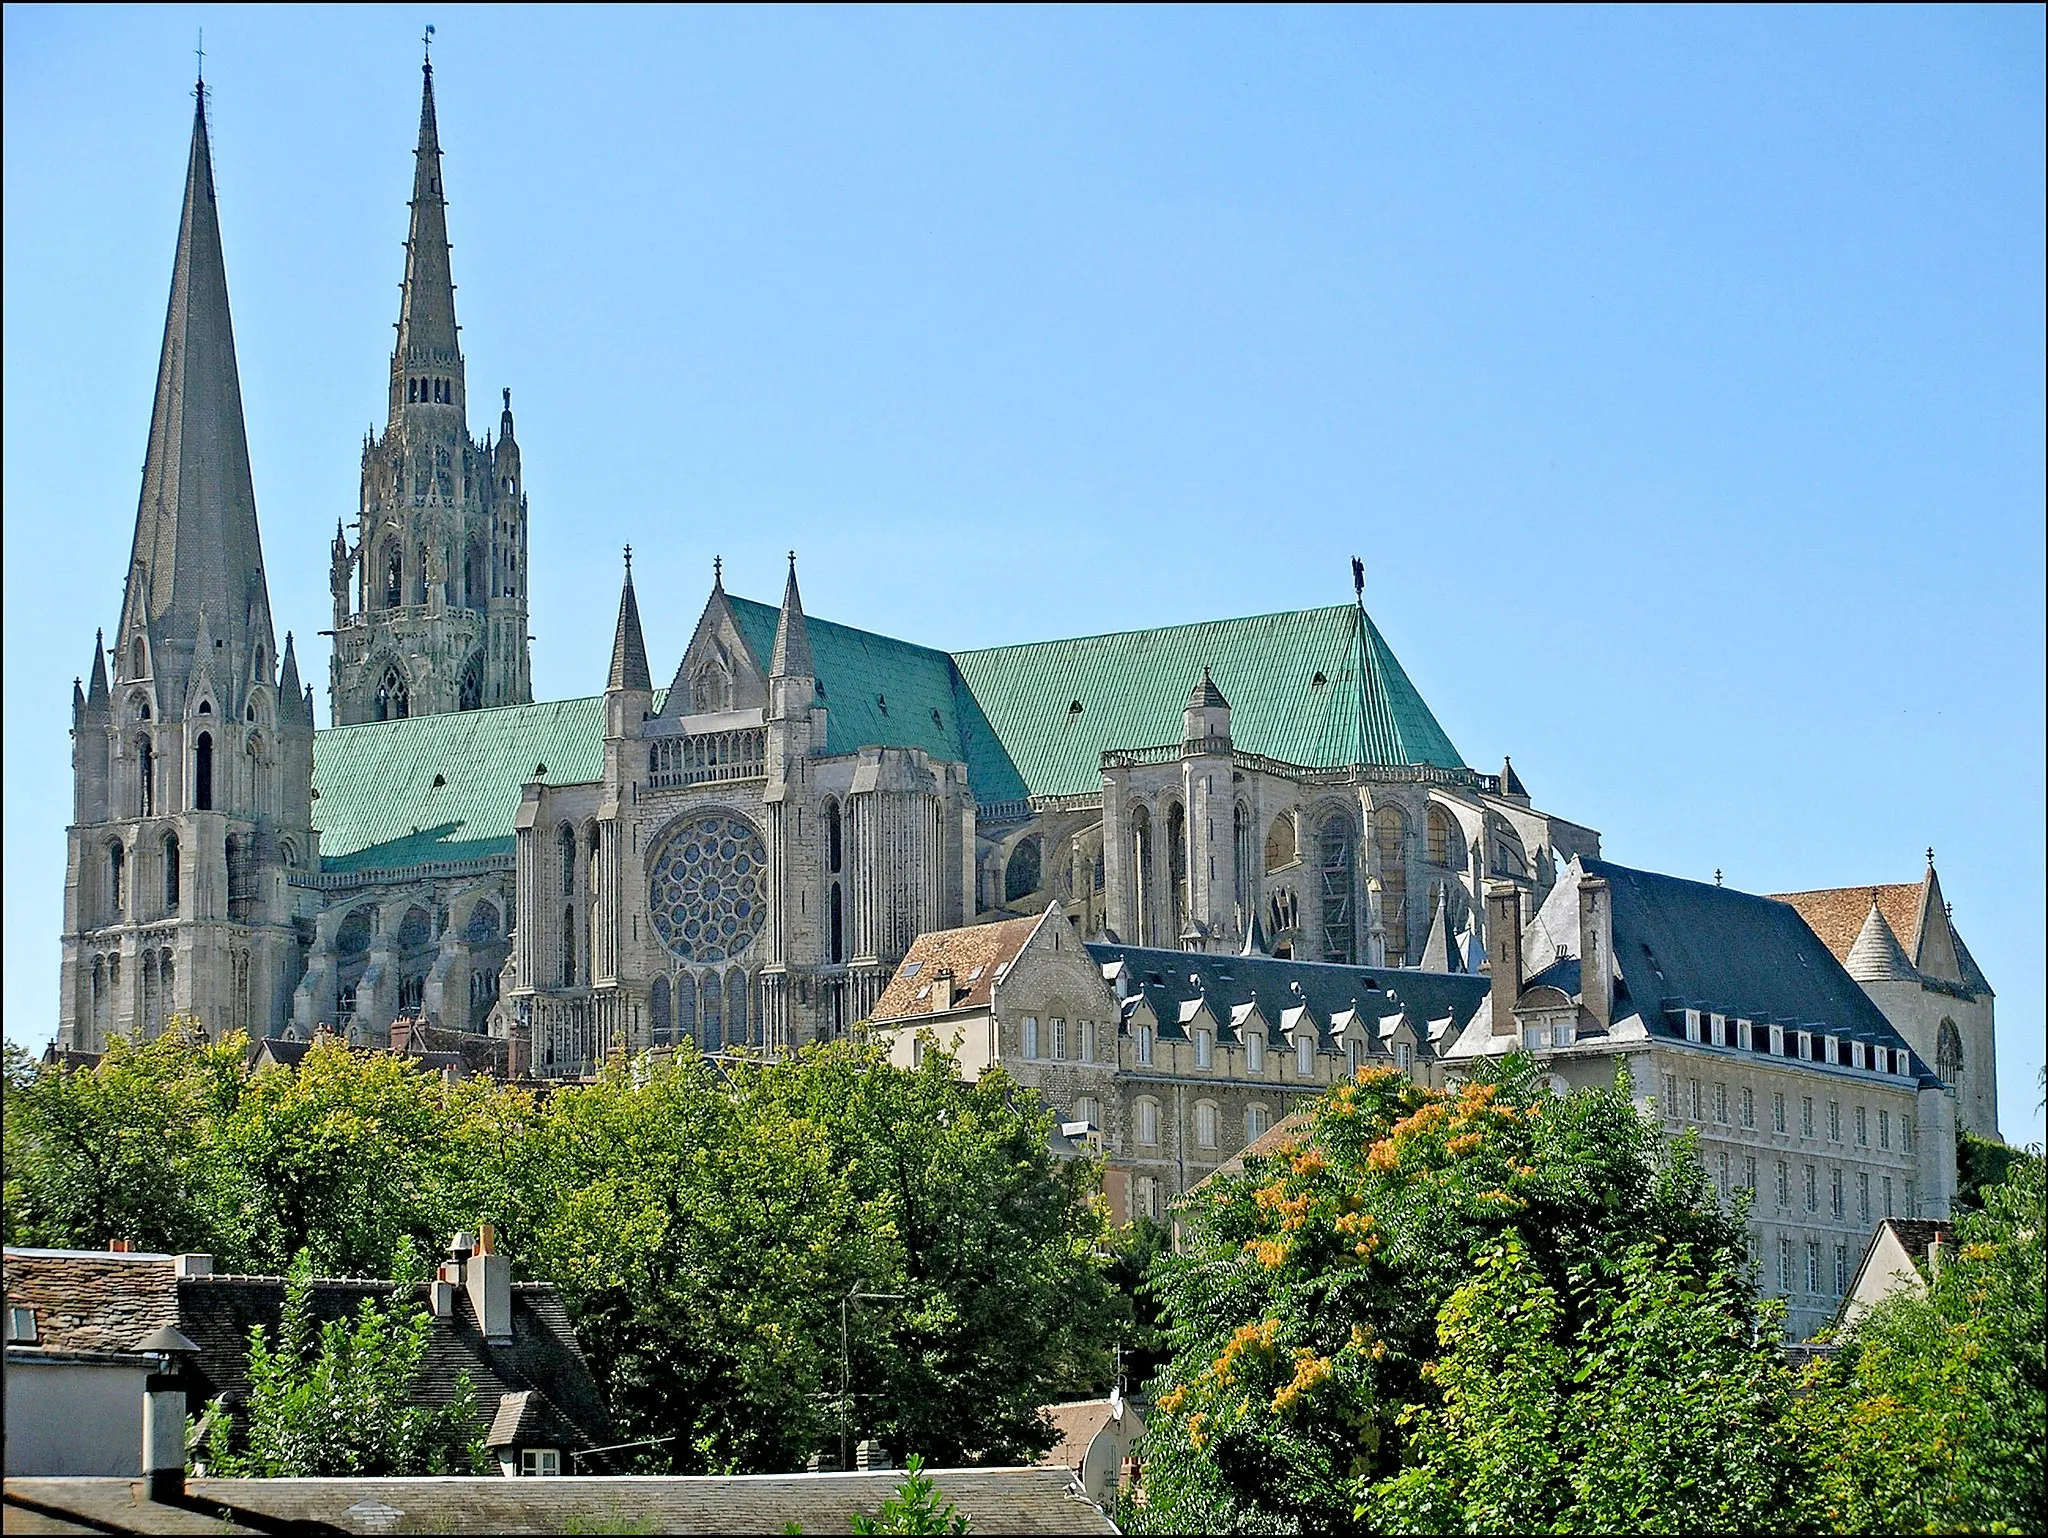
1841,1269
1777,1111
1693,1099
540,1461
1784,1184
1748,1106
1912,1207
1205,1125
1812,1189
1888,1212
1144,1040
1059,1039
1784,1265
1404,1056
1834,1121
1749,1174
21,1326
1806,1116
1087,1041
1670,1094
1835,1193
1721,1104
1256,1120
1905,1133
1863,1196
1862,1127
1884,1129
1351,1056
1722,1174
1031,1036
1085,1109
1305,1056
1813,1265
1204,1044
1255,1050
1148,1123
1147,1197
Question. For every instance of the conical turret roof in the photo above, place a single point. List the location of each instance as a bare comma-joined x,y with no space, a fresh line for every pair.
1877,957
196,541
1206,695
629,650
792,658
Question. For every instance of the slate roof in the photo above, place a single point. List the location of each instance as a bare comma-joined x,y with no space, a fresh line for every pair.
92,1302
1172,981
975,954
1021,1500
1006,712
1686,944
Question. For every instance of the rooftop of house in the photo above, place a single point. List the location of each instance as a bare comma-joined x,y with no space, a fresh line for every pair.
976,956
1909,910
1077,1424
994,1500
1314,687
91,1302
1284,1134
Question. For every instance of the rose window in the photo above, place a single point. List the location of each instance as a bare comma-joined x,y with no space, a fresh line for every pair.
706,888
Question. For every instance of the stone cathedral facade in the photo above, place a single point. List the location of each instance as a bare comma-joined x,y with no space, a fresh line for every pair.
741,857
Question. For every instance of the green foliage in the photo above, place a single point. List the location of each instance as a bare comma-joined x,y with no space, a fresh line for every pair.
914,1508
1440,1308
1980,1164
336,1398
1934,1408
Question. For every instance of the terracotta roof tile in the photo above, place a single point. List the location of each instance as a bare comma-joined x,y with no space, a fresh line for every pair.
974,955
1836,914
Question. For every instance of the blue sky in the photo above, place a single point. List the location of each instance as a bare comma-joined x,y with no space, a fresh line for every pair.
1677,373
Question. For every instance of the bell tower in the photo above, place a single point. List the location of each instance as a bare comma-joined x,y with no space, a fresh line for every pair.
430,598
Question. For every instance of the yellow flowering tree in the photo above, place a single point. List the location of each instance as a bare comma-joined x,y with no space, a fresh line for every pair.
1323,1314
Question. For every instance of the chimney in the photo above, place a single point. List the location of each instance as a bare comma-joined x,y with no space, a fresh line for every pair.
1936,1253
401,1036
1596,950
120,1246
1504,950
488,1279
942,990
870,1454
163,1414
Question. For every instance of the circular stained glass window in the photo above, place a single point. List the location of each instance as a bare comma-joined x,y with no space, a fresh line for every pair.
707,887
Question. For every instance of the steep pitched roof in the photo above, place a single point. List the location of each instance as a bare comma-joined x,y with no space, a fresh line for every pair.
975,955
1837,915
629,648
197,550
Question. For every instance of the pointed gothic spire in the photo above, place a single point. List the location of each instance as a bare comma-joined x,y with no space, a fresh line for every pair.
96,692
792,657
290,692
1877,957
1255,937
426,315
629,650
1436,949
196,541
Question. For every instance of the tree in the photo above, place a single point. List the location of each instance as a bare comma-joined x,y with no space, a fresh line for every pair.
1933,1409
914,1508
1455,1310
341,1399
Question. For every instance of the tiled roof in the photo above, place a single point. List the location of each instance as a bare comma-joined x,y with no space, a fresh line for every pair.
1026,1500
1317,687
1075,1427
1836,914
86,1301
1171,981
974,954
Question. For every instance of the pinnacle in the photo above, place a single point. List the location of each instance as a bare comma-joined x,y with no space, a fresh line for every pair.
792,657
629,649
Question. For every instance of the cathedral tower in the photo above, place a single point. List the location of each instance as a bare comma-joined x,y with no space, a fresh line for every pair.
430,601
192,767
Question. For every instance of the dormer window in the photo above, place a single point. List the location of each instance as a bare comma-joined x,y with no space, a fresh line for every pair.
540,1462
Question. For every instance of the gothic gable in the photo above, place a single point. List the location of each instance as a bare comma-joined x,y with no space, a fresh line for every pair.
719,671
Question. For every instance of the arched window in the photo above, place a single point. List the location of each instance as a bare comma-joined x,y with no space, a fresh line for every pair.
1509,858
1256,1120
474,576
686,1009
736,1008
202,773
566,839
420,578
590,849
833,850
145,778
1177,868
412,392
1948,1056
117,872
469,694
1021,875
1205,1124
568,947
353,937
170,873
394,576
836,919
135,668
1281,846
1335,863
394,701
484,925
712,996
1443,840
657,1011
1390,848
1141,873
415,932
1148,1123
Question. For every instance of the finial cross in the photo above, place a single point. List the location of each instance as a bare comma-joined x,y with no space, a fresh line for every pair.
200,53
427,42
629,557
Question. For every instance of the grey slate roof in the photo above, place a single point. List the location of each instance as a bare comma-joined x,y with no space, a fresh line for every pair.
1685,944
1167,980
1021,1500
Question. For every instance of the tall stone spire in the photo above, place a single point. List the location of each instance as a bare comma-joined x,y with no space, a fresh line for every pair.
629,649
792,658
427,353
196,542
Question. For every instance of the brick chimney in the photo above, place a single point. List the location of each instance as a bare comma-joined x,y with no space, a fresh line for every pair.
942,990
1504,952
488,1280
1596,950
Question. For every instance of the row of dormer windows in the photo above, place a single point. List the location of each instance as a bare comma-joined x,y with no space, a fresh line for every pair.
1708,1029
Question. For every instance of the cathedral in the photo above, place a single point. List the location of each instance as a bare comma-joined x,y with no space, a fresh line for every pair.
741,857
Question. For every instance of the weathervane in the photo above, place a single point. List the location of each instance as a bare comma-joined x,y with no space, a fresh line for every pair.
427,44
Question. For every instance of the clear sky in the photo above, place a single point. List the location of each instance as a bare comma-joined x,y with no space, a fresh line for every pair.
1677,373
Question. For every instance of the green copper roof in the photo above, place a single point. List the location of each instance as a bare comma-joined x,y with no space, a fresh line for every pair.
1306,687
1317,687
